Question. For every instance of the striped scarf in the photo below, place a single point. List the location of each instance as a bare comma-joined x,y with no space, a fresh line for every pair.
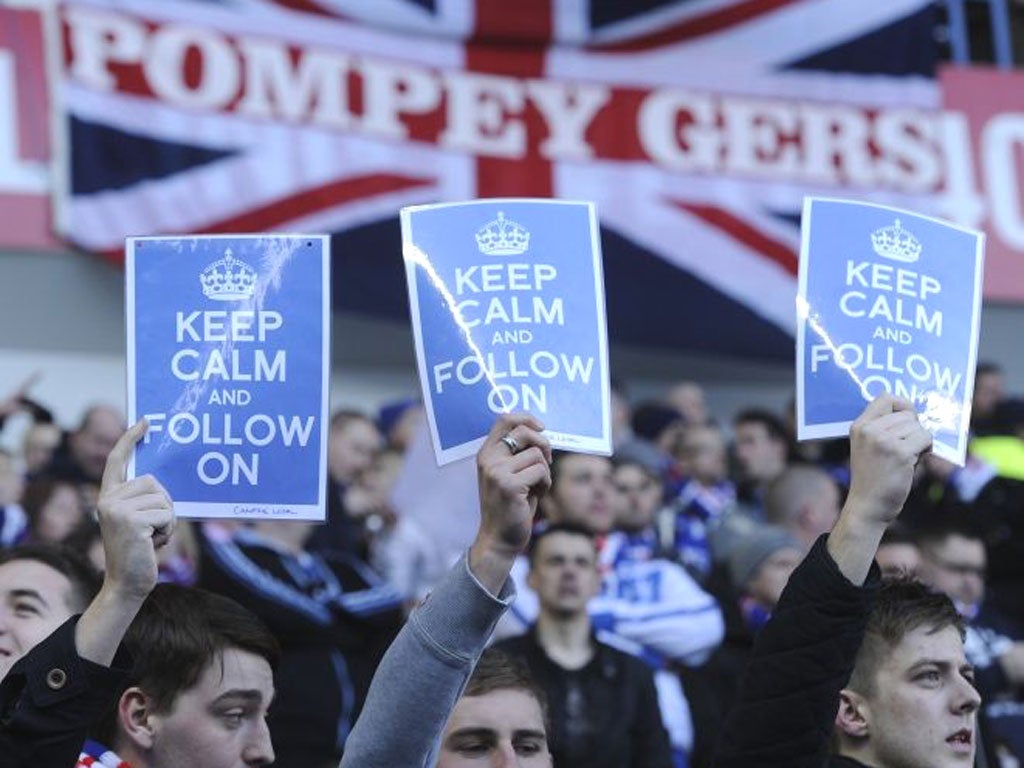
95,755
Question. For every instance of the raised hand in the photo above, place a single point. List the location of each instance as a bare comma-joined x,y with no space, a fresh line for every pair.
136,518
513,470
886,442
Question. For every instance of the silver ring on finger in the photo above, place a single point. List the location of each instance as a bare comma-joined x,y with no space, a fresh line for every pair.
512,443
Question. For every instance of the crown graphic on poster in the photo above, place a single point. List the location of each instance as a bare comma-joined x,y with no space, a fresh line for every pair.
502,237
228,279
896,243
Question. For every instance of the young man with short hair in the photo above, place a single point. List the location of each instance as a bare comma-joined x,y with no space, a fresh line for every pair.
602,702
41,587
60,669
500,718
199,690
649,605
416,705
884,667
954,561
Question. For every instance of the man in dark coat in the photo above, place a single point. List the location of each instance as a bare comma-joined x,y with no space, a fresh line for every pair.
882,667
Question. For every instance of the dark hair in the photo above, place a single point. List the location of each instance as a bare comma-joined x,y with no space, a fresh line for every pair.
903,605
558,457
774,425
345,416
954,523
39,491
898,533
85,580
986,367
499,671
573,529
651,419
177,634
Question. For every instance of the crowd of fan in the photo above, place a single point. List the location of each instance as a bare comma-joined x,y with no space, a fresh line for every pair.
650,575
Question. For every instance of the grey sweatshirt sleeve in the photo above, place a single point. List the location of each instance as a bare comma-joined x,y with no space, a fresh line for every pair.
424,672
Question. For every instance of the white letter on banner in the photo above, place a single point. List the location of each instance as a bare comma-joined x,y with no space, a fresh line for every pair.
960,201
998,145
479,115
275,88
98,38
835,133
391,89
910,156
755,129
219,71
568,110
692,147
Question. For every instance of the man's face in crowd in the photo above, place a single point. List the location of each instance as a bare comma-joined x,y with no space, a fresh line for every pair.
502,728
639,496
564,573
352,449
956,566
922,713
823,509
95,440
220,721
761,457
34,600
60,515
704,455
688,399
582,492
772,576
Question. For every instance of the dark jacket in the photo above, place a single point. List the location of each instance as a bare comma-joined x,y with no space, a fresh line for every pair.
802,659
333,617
604,715
51,698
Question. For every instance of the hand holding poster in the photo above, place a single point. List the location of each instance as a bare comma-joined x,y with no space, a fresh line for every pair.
228,361
889,301
507,302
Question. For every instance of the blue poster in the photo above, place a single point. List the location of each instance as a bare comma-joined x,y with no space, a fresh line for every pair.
507,300
228,360
889,301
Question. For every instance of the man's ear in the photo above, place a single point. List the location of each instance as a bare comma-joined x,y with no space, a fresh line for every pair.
135,718
854,716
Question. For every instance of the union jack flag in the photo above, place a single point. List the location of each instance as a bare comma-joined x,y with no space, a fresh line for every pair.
697,126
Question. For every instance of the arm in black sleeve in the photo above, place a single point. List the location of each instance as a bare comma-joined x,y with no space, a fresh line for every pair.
802,659
51,698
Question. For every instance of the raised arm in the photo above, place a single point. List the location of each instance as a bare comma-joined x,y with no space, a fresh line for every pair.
426,668
136,518
885,445
804,655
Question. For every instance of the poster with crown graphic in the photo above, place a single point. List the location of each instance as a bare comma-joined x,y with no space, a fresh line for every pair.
228,344
889,302
507,304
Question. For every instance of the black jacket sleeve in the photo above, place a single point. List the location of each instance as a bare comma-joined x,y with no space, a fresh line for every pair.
802,659
51,698
651,748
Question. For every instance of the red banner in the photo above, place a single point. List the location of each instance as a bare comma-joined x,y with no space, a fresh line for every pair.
24,131
992,103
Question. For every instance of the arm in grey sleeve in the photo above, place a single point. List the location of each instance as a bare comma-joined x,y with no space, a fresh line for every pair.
424,672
